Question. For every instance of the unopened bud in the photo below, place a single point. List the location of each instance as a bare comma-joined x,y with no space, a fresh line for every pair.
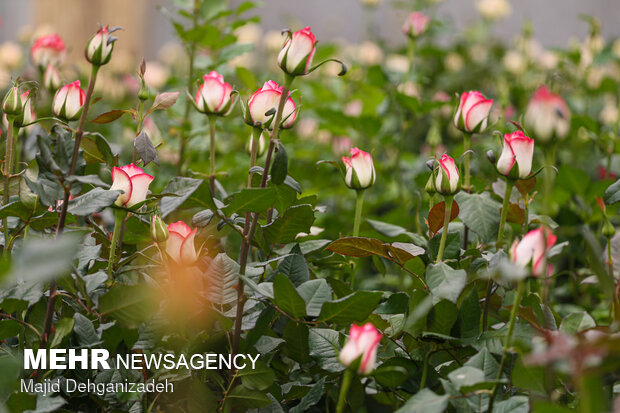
608,229
12,103
99,47
159,230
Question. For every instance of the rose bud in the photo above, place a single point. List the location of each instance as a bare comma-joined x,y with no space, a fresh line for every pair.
518,149
362,345
547,115
447,180
51,78
473,112
533,248
12,102
27,115
99,47
266,99
159,230
68,101
180,245
48,49
295,58
213,95
134,183
416,24
360,170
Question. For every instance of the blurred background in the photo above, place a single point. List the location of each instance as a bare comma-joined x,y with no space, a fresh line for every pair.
146,28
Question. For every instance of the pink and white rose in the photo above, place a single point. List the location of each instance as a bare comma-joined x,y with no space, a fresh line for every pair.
295,58
267,98
448,178
68,101
360,170
519,150
99,47
362,344
533,249
416,24
134,183
547,115
472,114
180,244
48,49
213,95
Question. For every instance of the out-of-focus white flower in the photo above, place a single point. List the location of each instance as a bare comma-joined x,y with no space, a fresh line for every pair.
514,62
454,62
494,9
171,54
548,60
10,55
410,89
353,108
307,127
249,33
594,77
273,40
616,47
156,75
397,63
370,53
609,113
478,53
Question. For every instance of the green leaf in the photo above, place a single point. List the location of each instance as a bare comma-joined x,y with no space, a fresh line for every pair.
287,297
315,293
397,303
163,101
110,116
425,401
445,282
294,266
128,304
480,213
283,230
93,201
574,180
466,376
246,77
390,376
484,361
43,259
9,328
612,193
251,199
577,322
63,327
15,209
296,337
85,331
442,317
353,307
469,316
516,404
453,246
279,168
258,378
324,349
222,276
528,377
399,252
245,398
183,188
311,398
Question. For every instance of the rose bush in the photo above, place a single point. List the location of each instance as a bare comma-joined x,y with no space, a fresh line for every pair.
419,278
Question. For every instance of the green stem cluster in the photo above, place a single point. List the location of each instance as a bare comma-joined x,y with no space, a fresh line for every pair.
466,148
507,343
119,216
504,215
359,204
7,178
347,378
250,225
446,222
